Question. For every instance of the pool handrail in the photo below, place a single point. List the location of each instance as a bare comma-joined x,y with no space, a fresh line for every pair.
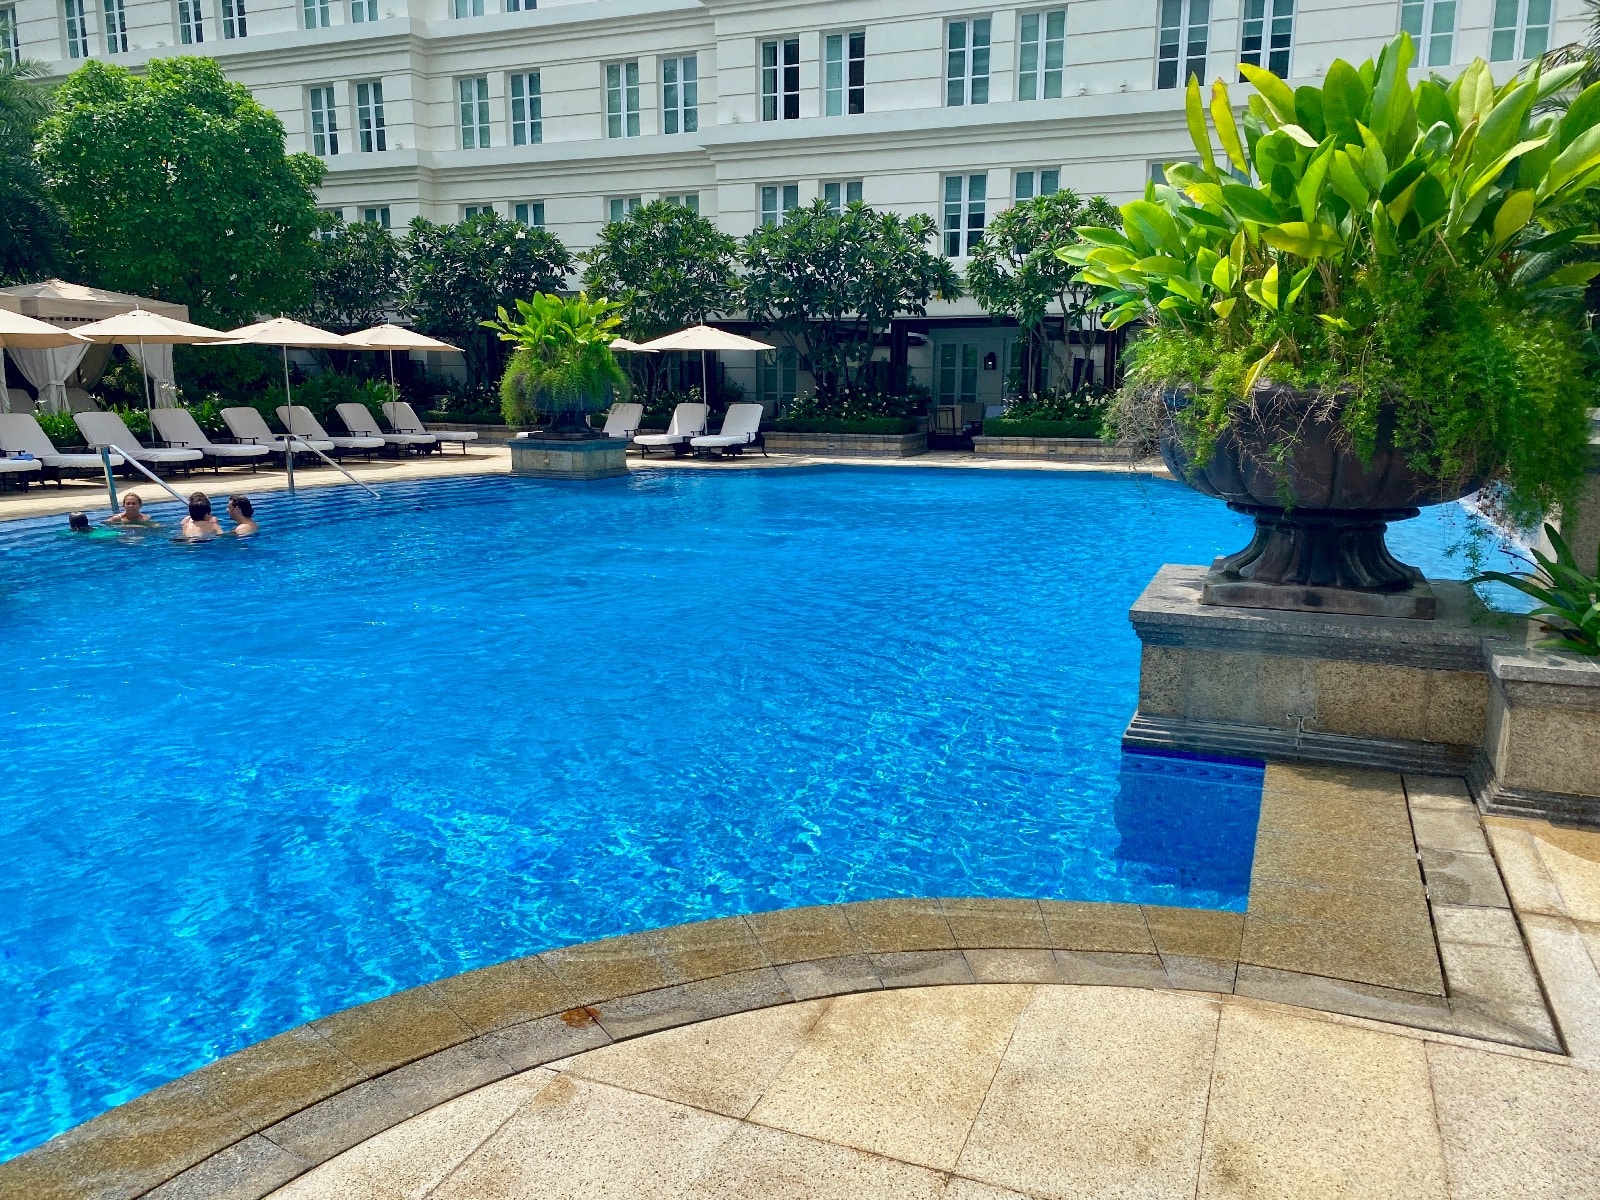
105,457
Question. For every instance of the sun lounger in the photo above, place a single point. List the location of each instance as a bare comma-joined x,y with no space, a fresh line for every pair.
20,434
297,419
248,425
108,429
358,420
178,427
688,421
403,418
18,469
740,427
623,421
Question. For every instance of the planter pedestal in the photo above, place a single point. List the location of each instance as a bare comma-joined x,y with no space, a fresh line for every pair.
569,458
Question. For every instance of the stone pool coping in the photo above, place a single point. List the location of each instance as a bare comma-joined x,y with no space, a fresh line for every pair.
1370,896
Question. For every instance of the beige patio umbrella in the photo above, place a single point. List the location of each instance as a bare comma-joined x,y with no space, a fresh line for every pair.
392,338
141,328
706,340
623,343
284,334
27,334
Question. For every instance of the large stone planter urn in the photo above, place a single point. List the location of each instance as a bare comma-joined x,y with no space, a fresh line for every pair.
568,449
1320,511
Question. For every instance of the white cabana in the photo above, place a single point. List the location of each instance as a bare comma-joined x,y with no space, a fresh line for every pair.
24,335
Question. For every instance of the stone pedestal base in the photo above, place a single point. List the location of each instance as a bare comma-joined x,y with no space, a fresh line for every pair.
1541,751
1318,687
1416,603
553,458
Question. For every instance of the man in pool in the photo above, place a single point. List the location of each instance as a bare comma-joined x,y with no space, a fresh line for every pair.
132,512
243,515
201,522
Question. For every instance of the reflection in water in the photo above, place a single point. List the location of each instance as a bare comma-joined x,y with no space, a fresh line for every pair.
1189,819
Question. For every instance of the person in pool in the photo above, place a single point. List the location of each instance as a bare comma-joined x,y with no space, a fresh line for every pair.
201,521
132,512
243,515
78,523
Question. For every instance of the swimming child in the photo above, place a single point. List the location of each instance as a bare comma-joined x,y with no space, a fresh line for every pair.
78,523
201,522
243,515
132,512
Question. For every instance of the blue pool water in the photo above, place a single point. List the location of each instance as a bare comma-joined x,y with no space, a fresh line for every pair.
246,784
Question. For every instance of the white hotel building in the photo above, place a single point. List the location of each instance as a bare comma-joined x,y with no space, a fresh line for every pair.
568,112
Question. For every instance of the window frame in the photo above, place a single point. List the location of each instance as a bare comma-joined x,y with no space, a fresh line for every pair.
840,194
75,28
113,27
966,86
844,73
235,22
779,101
191,22
363,12
524,212
478,118
1519,30
470,211
959,212
785,197
1037,183
1183,46
622,98
1428,35
322,106
10,45
317,14
680,95
778,377
620,208
372,136
379,217
1264,16
689,200
525,107
1034,83
522,6
462,10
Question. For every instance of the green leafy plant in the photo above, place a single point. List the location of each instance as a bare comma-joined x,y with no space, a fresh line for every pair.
356,278
562,362
1569,600
32,230
1385,244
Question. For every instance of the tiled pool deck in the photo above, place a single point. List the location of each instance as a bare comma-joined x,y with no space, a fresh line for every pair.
1372,896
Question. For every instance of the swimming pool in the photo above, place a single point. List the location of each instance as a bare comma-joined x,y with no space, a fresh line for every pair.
246,784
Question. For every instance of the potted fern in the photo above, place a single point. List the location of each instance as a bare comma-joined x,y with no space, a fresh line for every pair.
1367,301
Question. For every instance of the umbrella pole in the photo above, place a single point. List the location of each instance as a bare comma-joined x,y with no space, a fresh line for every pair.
288,400
145,371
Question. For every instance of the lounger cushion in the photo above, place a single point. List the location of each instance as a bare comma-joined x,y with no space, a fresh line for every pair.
723,439
19,466
358,420
178,426
107,429
659,439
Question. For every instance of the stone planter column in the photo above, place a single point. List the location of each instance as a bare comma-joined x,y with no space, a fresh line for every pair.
569,458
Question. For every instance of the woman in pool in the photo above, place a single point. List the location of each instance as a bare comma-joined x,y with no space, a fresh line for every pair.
132,512
243,515
201,521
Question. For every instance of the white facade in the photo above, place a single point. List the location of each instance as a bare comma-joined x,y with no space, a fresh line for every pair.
767,75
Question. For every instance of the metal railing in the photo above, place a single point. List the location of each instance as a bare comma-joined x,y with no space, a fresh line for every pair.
111,482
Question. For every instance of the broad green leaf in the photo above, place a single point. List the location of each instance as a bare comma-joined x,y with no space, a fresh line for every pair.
1227,129
1474,92
1101,236
1308,110
1273,90
1374,162
1123,313
1401,180
1250,204
1491,172
1573,274
1224,307
1346,182
1223,276
1502,126
1186,288
1387,104
1583,113
1206,194
1400,207
1513,217
1344,101
1253,373
1579,157
1300,135
1159,264
1308,240
1339,323
1297,284
1557,79
1155,223
1429,201
1433,106
1309,193
1194,113
1383,231
1437,141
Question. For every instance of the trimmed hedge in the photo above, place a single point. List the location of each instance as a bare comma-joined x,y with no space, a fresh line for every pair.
892,425
1041,429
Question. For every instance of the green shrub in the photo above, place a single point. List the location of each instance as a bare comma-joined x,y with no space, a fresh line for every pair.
844,425
1034,428
60,429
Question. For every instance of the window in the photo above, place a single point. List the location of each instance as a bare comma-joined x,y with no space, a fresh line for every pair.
1265,41
958,373
531,212
839,193
1044,182
318,13
964,200
680,94
1043,54
776,382
844,74
9,55
191,25
233,22
522,6
369,117
618,207
689,200
1521,29
1433,24
527,110
376,216
77,23
468,211
1181,47
777,199
324,123
116,28
966,71
473,96
622,99
468,8
362,11
780,80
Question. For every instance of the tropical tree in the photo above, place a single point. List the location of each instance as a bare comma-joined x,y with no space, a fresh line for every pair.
175,184
562,363
357,279
32,230
831,282
459,276
1015,271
